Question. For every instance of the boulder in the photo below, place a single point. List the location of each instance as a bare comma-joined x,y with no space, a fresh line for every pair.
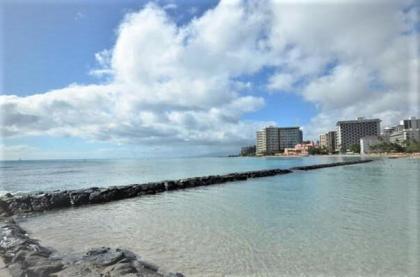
4,208
45,269
104,195
151,188
40,202
80,197
170,185
103,256
19,204
60,199
130,191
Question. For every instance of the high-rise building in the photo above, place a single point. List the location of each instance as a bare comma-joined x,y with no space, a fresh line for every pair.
351,131
289,137
323,140
328,140
409,129
272,140
268,141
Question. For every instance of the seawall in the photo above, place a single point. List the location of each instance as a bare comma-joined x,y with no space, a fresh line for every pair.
42,201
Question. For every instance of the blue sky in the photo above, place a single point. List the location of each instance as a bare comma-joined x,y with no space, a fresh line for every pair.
51,28
258,66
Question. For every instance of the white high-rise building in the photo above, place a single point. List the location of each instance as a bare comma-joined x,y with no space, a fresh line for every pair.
351,131
272,140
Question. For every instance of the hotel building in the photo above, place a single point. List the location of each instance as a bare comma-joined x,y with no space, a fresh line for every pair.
351,131
272,140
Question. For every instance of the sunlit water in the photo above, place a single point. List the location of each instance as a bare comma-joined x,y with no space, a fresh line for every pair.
351,220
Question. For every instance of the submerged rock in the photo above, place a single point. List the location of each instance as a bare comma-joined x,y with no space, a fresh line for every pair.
25,257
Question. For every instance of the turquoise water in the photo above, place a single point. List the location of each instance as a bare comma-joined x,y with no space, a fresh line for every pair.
358,220
73,174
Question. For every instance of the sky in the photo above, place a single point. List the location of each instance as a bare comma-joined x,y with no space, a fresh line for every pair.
138,79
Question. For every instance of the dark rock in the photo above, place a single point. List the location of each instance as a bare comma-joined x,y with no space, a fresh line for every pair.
4,208
20,256
103,256
130,191
25,257
60,200
317,166
123,269
170,185
80,197
40,202
151,188
45,269
185,183
20,204
104,195
160,186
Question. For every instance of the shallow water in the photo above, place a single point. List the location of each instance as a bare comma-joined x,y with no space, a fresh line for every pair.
73,174
351,220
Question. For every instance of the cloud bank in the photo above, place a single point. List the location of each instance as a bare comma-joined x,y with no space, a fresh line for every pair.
165,83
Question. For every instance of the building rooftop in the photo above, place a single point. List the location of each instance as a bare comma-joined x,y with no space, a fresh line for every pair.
276,127
358,120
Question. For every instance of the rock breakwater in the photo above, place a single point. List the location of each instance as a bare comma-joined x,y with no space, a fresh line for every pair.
42,201
318,166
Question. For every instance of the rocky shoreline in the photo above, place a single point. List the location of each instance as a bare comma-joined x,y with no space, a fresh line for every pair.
25,257
42,201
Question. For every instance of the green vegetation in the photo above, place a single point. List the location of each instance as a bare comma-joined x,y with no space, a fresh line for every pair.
317,151
386,147
355,148
408,147
412,146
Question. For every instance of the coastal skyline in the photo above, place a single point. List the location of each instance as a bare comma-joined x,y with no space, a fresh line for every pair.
169,78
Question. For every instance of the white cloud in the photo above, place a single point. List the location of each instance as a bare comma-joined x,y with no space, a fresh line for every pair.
350,59
162,88
170,83
281,81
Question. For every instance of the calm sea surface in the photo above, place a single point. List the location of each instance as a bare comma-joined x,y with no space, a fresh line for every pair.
351,220
73,174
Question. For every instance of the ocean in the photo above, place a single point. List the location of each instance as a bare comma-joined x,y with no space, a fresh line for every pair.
353,220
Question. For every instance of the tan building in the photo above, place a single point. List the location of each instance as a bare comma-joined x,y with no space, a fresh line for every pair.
328,140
